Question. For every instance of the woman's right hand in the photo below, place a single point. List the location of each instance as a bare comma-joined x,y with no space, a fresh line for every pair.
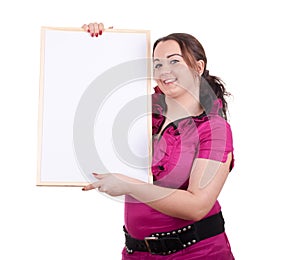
94,29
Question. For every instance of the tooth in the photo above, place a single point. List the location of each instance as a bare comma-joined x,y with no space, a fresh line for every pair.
169,80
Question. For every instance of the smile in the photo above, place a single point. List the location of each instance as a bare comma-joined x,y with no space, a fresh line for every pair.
168,81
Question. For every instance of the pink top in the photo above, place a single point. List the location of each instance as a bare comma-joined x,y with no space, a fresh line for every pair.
174,150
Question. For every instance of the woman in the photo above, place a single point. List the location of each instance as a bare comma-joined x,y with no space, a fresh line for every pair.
178,217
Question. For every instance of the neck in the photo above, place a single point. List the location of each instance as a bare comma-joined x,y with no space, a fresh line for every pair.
183,107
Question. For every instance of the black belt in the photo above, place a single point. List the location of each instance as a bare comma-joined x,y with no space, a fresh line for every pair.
166,243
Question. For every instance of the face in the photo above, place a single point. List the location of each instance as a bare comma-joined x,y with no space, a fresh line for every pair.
171,73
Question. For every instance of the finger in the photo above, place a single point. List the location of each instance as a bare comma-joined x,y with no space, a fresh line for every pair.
101,28
102,189
92,29
96,29
91,186
88,187
98,175
85,27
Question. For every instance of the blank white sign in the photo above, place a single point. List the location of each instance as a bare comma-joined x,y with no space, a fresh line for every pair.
94,105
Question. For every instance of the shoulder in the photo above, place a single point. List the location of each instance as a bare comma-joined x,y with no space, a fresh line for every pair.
215,130
215,139
212,124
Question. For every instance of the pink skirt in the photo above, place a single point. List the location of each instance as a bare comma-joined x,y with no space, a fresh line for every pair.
213,248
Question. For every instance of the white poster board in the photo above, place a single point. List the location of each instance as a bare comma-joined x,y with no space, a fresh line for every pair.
94,105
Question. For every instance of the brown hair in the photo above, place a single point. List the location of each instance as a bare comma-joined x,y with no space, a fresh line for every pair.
212,87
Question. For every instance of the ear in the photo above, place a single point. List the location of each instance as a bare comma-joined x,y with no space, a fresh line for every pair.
201,67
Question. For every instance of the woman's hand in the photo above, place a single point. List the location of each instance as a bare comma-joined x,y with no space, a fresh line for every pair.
114,184
94,29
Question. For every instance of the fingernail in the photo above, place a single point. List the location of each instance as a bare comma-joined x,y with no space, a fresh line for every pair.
83,188
100,32
88,30
96,34
92,35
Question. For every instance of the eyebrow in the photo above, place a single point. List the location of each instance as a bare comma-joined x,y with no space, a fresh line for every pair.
169,56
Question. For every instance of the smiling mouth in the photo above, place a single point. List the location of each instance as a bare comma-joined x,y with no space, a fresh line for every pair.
169,81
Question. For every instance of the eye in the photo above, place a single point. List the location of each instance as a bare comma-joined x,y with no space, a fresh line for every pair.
157,65
174,61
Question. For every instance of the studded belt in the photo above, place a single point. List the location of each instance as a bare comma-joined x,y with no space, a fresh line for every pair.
166,243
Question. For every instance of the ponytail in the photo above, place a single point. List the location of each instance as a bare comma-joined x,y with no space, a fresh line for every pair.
212,95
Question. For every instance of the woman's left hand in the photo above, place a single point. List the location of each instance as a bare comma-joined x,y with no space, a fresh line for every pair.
114,184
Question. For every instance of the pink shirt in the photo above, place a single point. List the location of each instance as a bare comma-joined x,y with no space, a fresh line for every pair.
174,150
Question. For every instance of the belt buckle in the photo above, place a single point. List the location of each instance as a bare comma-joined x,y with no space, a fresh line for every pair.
147,239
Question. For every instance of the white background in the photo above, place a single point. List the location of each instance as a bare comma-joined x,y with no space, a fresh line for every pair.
252,45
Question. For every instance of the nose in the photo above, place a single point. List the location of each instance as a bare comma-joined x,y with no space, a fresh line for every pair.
164,69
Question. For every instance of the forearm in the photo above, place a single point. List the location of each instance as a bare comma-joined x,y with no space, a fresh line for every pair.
192,204
173,202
